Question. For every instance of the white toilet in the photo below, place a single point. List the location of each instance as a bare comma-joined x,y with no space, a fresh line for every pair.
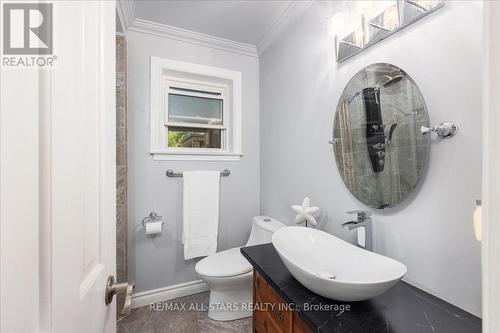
229,274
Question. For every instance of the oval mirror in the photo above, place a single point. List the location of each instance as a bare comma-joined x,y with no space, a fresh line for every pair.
380,151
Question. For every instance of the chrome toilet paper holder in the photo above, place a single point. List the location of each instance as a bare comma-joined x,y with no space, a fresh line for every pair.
152,217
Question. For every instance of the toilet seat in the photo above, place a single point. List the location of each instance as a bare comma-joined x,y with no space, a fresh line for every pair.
229,275
224,264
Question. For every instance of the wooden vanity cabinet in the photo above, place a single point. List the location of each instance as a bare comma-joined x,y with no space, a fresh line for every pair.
271,313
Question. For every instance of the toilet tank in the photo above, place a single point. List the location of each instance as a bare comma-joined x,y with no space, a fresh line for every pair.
263,228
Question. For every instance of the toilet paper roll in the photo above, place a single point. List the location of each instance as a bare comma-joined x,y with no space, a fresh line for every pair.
153,228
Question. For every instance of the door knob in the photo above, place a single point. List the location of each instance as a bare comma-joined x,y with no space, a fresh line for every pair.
112,288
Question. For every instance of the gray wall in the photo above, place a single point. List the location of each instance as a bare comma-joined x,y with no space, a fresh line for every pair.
431,232
158,262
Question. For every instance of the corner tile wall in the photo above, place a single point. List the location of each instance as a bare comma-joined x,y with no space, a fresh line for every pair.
121,169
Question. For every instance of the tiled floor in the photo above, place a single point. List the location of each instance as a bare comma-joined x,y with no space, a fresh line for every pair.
144,320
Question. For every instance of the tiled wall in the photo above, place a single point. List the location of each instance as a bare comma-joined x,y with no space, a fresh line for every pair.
121,168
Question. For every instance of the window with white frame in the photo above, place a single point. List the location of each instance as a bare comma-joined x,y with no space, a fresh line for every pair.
195,111
196,115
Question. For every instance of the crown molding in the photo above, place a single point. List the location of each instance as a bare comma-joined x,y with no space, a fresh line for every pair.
188,36
132,23
294,10
126,13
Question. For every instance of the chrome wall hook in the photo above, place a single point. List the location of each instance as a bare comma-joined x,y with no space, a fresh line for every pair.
445,130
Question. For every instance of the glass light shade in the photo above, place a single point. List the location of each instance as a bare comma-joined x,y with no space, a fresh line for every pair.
370,9
427,4
344,22
357,25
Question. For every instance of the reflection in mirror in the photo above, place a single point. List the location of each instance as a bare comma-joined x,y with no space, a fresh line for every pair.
380,151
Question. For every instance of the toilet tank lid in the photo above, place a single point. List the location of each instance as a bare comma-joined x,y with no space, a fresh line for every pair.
268,223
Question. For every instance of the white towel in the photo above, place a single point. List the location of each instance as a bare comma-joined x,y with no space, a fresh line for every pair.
201,213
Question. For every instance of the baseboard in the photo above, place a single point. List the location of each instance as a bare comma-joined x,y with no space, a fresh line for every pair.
147,297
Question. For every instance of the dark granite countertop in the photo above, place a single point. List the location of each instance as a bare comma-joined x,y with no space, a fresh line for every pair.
403,309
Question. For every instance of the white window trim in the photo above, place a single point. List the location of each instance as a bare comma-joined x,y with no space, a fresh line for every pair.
158,140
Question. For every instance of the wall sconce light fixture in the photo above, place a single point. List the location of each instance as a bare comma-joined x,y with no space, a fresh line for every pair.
359,26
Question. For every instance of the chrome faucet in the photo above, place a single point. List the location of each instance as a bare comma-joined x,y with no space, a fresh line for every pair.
364,219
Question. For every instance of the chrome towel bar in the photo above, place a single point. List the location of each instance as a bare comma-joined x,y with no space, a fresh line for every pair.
171,173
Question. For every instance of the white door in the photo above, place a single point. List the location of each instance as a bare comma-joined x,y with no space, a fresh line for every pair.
58,179
83,165
491,167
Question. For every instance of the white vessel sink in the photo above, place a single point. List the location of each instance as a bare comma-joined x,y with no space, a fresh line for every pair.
334,268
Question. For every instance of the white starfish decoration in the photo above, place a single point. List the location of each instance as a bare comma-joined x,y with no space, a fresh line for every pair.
305,213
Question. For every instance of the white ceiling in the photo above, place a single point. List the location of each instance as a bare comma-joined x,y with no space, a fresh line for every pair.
240,21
